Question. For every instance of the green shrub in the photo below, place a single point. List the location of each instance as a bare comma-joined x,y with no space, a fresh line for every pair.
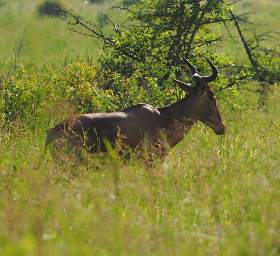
130,2
50,8
25,96
96,1
2,2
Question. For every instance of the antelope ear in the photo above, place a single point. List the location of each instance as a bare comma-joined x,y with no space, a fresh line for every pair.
185,87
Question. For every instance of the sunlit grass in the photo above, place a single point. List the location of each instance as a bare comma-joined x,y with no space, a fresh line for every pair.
211,195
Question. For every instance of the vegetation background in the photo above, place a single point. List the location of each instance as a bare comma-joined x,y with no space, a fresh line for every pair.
212,195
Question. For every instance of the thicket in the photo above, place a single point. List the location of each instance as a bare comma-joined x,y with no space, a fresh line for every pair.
29,96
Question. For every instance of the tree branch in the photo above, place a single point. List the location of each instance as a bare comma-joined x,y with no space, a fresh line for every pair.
74,20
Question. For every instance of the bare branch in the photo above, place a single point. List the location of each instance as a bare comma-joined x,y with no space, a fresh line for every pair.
234,2
116,28
238,17
74,20
228,31
206,42
274,52
229,85
230,66
243,40
123,8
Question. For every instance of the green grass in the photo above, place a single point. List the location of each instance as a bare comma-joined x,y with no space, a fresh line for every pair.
211,196
37,41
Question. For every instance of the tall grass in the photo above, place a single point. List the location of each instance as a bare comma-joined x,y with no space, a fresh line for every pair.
212,195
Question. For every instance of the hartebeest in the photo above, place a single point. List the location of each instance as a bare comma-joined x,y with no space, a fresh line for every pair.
159,127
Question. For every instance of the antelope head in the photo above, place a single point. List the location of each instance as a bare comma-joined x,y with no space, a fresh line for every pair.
201,97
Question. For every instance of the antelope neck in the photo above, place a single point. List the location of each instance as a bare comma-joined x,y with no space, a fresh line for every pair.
177,120
180,111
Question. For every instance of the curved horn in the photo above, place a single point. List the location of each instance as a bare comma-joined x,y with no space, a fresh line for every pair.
214,74
190,66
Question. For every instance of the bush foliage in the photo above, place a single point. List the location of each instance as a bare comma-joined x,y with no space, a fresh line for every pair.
25,95
50,8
